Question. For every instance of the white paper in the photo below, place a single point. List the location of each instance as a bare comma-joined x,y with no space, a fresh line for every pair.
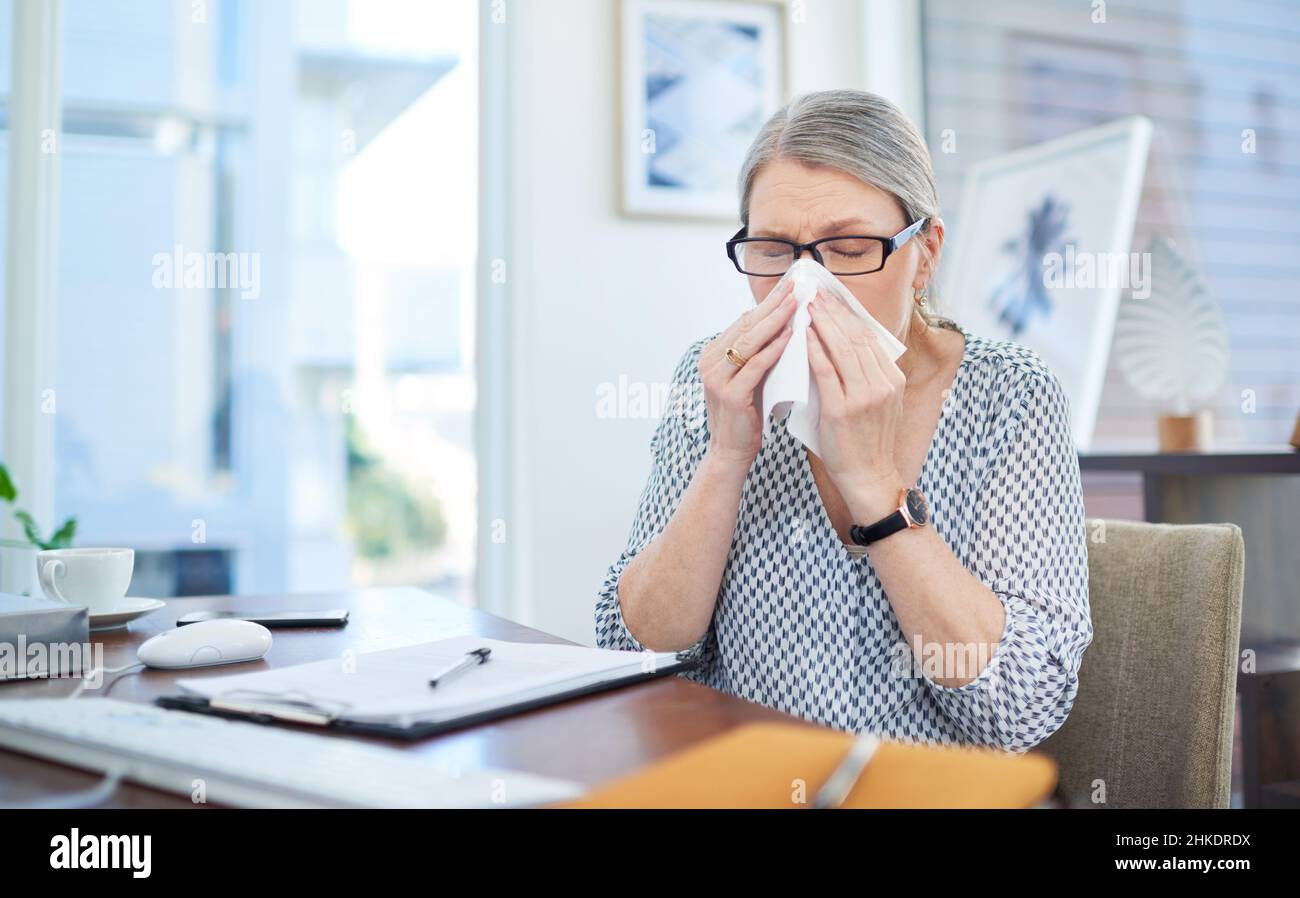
790,383
392,685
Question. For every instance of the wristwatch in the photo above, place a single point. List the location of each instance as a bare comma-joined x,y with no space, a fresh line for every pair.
913,511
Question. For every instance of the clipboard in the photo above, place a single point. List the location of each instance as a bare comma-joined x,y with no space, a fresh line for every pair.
271,716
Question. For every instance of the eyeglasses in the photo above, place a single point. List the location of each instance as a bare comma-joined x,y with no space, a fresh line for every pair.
855,254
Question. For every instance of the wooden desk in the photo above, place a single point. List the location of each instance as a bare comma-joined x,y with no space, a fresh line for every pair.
590,739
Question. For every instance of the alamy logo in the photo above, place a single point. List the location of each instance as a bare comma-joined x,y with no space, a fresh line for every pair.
78,852
22,660
181,270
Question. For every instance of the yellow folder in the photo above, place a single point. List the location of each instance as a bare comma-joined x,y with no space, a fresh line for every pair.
782,765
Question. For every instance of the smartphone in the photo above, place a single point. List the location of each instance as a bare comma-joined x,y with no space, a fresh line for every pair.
334,617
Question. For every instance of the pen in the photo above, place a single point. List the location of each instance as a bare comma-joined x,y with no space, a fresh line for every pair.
477,656
846,775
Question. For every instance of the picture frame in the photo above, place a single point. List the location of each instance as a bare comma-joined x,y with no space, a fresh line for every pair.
698,79
1036,227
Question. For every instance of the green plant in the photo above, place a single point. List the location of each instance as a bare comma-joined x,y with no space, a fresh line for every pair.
61,538
388,515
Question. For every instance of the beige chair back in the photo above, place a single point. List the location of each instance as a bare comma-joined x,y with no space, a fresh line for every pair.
1151,726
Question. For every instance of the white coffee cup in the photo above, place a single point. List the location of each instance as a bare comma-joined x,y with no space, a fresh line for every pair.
96,578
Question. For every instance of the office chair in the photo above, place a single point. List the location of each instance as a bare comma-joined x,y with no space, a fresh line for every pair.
1152,723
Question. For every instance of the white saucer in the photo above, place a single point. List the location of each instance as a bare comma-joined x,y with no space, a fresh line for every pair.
126,611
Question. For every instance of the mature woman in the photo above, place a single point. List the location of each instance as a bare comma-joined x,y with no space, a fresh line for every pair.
924,578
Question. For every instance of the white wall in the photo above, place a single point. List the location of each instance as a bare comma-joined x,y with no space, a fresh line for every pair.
581,319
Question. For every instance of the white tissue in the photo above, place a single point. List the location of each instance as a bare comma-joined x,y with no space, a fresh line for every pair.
789,383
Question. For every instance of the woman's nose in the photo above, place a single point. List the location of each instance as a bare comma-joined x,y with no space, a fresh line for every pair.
811,251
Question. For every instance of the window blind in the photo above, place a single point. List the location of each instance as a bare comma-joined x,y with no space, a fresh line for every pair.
1002,74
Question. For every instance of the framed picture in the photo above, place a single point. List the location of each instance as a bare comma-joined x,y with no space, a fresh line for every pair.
699,80
1042,251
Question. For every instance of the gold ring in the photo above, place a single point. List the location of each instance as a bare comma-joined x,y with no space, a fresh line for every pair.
736,358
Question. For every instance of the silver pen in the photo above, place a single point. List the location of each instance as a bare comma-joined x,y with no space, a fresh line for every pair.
840,783
471,659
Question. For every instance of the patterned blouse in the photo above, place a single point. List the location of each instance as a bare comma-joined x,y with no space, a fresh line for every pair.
802,624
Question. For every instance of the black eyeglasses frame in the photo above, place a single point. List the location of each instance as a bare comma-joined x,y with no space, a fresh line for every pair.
890,245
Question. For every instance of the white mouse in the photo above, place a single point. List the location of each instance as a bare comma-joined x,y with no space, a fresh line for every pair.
205,644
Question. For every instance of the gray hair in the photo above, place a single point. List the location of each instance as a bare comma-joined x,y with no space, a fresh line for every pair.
855,132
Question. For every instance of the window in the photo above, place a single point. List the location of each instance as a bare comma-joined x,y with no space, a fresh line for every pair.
265,318
6,66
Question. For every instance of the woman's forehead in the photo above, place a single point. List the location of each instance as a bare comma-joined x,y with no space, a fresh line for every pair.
790,196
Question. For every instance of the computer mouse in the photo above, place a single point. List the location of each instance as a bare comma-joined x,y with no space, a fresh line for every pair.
205,644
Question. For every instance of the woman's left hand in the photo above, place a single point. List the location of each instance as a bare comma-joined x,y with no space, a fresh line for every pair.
861,396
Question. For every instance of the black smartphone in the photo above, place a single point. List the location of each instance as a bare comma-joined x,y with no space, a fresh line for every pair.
334,617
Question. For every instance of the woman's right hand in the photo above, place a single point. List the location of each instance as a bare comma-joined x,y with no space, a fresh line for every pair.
730,392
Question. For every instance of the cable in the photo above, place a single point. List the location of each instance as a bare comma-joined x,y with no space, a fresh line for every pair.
85,798
104,789
81,687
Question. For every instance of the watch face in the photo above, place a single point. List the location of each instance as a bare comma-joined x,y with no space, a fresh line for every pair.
917,508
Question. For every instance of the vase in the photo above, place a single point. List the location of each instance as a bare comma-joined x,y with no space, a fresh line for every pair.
1186,433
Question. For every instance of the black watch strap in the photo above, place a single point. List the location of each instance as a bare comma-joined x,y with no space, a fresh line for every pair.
886,526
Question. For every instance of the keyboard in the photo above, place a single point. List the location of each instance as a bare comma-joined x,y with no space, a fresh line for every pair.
244,764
